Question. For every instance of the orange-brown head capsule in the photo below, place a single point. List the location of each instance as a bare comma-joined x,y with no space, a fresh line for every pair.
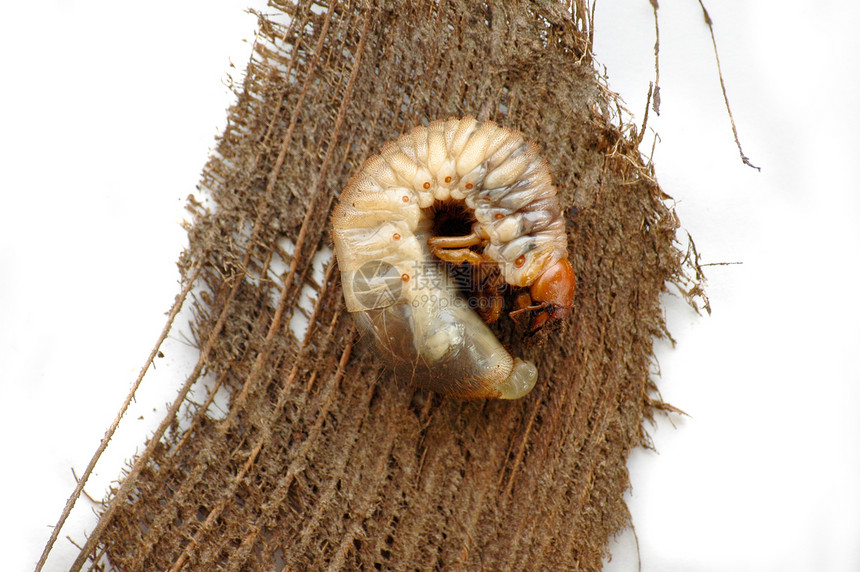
554,288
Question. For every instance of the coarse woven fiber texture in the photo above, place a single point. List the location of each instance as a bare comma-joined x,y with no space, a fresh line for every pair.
324,460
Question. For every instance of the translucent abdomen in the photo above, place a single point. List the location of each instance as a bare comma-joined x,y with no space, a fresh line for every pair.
438,341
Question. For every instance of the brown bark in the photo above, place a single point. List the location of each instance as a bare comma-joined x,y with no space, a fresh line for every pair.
324,460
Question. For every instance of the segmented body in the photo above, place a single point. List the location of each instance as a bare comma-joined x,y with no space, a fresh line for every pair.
395,287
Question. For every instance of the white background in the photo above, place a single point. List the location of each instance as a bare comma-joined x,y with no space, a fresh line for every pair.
109,111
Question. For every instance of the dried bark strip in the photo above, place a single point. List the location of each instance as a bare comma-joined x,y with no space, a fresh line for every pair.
324,460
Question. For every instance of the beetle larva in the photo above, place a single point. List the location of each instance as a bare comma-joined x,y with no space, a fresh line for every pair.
397,289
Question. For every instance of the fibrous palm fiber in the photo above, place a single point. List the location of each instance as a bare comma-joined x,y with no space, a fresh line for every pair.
324,460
